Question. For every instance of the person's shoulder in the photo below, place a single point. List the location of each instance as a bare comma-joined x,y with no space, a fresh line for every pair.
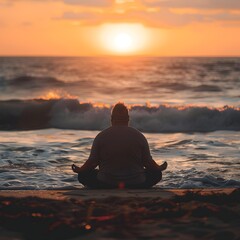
103,132
136,131
138,136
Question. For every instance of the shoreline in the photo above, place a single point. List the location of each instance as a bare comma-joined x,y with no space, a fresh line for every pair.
84,193
120,214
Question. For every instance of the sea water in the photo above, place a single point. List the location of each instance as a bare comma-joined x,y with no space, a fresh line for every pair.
52,108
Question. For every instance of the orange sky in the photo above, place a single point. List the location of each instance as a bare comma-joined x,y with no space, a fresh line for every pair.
88,27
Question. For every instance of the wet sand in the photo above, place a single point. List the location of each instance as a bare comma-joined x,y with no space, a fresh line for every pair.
120,214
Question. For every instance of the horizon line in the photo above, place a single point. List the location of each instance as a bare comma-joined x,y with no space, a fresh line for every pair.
122,56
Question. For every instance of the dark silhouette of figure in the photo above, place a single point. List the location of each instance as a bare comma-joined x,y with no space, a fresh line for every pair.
122,155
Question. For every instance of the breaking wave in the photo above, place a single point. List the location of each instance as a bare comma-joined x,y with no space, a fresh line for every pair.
72,114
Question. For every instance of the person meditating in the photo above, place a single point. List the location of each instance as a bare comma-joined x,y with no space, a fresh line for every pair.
122,155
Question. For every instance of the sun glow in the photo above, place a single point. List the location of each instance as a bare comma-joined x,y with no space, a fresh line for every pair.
124,38
123,42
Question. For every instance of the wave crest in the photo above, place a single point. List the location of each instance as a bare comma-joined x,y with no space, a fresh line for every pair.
71,114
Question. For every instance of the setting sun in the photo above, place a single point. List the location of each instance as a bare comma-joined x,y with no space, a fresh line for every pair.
123,42
124,38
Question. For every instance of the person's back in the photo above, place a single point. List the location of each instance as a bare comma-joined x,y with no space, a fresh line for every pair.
123,156
121,152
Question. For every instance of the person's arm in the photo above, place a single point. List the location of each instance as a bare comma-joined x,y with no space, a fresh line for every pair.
88,165
152,165
148,161
92,161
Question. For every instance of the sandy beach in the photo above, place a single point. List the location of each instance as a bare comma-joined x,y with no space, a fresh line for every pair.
118,214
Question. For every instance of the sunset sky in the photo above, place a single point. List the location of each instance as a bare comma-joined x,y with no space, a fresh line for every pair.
108,27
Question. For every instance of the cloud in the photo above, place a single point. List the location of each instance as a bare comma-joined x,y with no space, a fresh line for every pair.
115,11
5,3
84,3
27,24
166,18
163,18
226,17
84,16
198,4
90,3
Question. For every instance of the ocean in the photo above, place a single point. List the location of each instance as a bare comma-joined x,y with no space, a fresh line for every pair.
51,108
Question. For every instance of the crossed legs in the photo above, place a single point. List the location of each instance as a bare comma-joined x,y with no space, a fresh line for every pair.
89,179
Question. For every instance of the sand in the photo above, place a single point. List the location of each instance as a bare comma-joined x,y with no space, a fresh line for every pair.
120,214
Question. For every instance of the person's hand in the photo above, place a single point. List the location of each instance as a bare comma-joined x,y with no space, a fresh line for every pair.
75,168
163,166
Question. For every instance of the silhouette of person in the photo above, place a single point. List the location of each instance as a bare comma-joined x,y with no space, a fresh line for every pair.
122,155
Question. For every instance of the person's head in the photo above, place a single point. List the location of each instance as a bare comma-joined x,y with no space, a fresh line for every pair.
119,115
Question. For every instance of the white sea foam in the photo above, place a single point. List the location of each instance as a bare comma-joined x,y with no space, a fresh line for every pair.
71,114
42,159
